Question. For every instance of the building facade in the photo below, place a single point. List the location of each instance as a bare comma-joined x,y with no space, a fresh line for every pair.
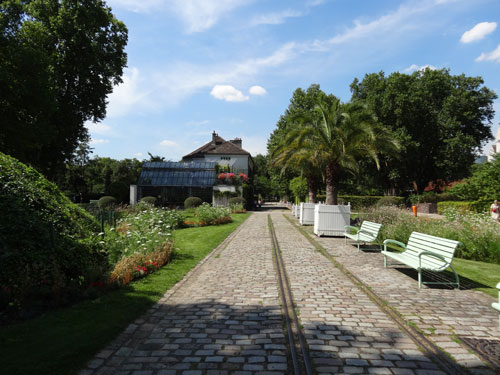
195,176
496,146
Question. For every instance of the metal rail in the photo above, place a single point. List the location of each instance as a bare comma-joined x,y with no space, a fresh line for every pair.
430,349
301,362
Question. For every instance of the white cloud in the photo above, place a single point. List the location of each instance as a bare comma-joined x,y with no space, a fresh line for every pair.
228,93
127,96
201,15
478,32
198,123
275,18
257,90
490,56
97,141
138,6
98,128
414,67
255,144
138,154
168,143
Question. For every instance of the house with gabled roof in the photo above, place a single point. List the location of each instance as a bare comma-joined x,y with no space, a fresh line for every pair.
196,175
224,153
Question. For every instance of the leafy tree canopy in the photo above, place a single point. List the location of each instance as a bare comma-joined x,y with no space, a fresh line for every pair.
483,185
59,59
441,121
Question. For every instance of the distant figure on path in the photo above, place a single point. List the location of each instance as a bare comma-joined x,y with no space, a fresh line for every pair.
494,210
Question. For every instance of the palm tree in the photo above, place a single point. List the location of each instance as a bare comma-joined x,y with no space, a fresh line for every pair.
343,135
289,154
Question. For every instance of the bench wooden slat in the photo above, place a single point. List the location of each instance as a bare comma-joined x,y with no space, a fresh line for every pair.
419,243
368,232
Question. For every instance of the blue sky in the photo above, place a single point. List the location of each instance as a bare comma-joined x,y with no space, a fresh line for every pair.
195,66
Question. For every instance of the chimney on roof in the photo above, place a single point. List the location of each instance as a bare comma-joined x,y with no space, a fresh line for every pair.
237,142
214,137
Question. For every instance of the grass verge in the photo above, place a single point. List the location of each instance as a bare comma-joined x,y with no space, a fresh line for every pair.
63,341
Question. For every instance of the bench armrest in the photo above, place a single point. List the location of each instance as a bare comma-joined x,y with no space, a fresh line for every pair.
348,228
402,245
431,254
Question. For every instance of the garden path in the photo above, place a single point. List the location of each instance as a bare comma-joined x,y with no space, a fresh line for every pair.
225,316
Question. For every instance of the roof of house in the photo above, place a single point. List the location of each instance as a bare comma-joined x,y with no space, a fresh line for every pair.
218,146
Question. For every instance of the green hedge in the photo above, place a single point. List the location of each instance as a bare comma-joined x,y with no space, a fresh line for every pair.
45,254
359,201
464,206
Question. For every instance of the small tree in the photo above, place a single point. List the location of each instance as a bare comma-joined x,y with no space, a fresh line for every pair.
298,187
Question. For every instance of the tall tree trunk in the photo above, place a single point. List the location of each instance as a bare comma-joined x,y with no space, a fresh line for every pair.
311,187
332,183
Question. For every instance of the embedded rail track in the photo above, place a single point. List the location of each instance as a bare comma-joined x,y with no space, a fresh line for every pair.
301,362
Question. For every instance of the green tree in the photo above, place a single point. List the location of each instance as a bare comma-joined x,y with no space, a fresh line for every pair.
441,121
298,187
344,135
59,60
284,153
482,185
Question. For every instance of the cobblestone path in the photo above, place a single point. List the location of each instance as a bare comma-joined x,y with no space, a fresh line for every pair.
226,319
447,316
346,332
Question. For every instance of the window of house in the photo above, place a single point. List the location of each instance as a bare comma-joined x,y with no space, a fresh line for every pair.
225,157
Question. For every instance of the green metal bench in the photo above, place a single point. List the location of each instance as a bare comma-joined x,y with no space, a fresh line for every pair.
368,232
496,305
425,252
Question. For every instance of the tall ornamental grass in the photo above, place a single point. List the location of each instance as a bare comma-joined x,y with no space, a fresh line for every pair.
479,234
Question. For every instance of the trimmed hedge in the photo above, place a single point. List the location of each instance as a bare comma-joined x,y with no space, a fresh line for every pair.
464,206
193,202
358,201
106,202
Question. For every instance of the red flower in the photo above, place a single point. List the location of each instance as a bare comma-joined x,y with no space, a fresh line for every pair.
243,176
222,176
230,175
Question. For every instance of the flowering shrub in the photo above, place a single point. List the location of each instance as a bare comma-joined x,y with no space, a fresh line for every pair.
237,208
479,234
231,178
138,265
140,233
208,215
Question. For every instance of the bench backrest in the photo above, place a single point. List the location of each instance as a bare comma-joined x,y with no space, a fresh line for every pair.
371,227
419,242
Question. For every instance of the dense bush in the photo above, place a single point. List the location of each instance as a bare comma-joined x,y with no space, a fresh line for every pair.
149,200
208,215
138,237
390,201
483,185
359,202
192,202
237,200
120,190
106,202
464,206
44,256
477,232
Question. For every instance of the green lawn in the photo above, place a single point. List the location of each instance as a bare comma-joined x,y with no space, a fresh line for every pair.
63,341
474,275
482,273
